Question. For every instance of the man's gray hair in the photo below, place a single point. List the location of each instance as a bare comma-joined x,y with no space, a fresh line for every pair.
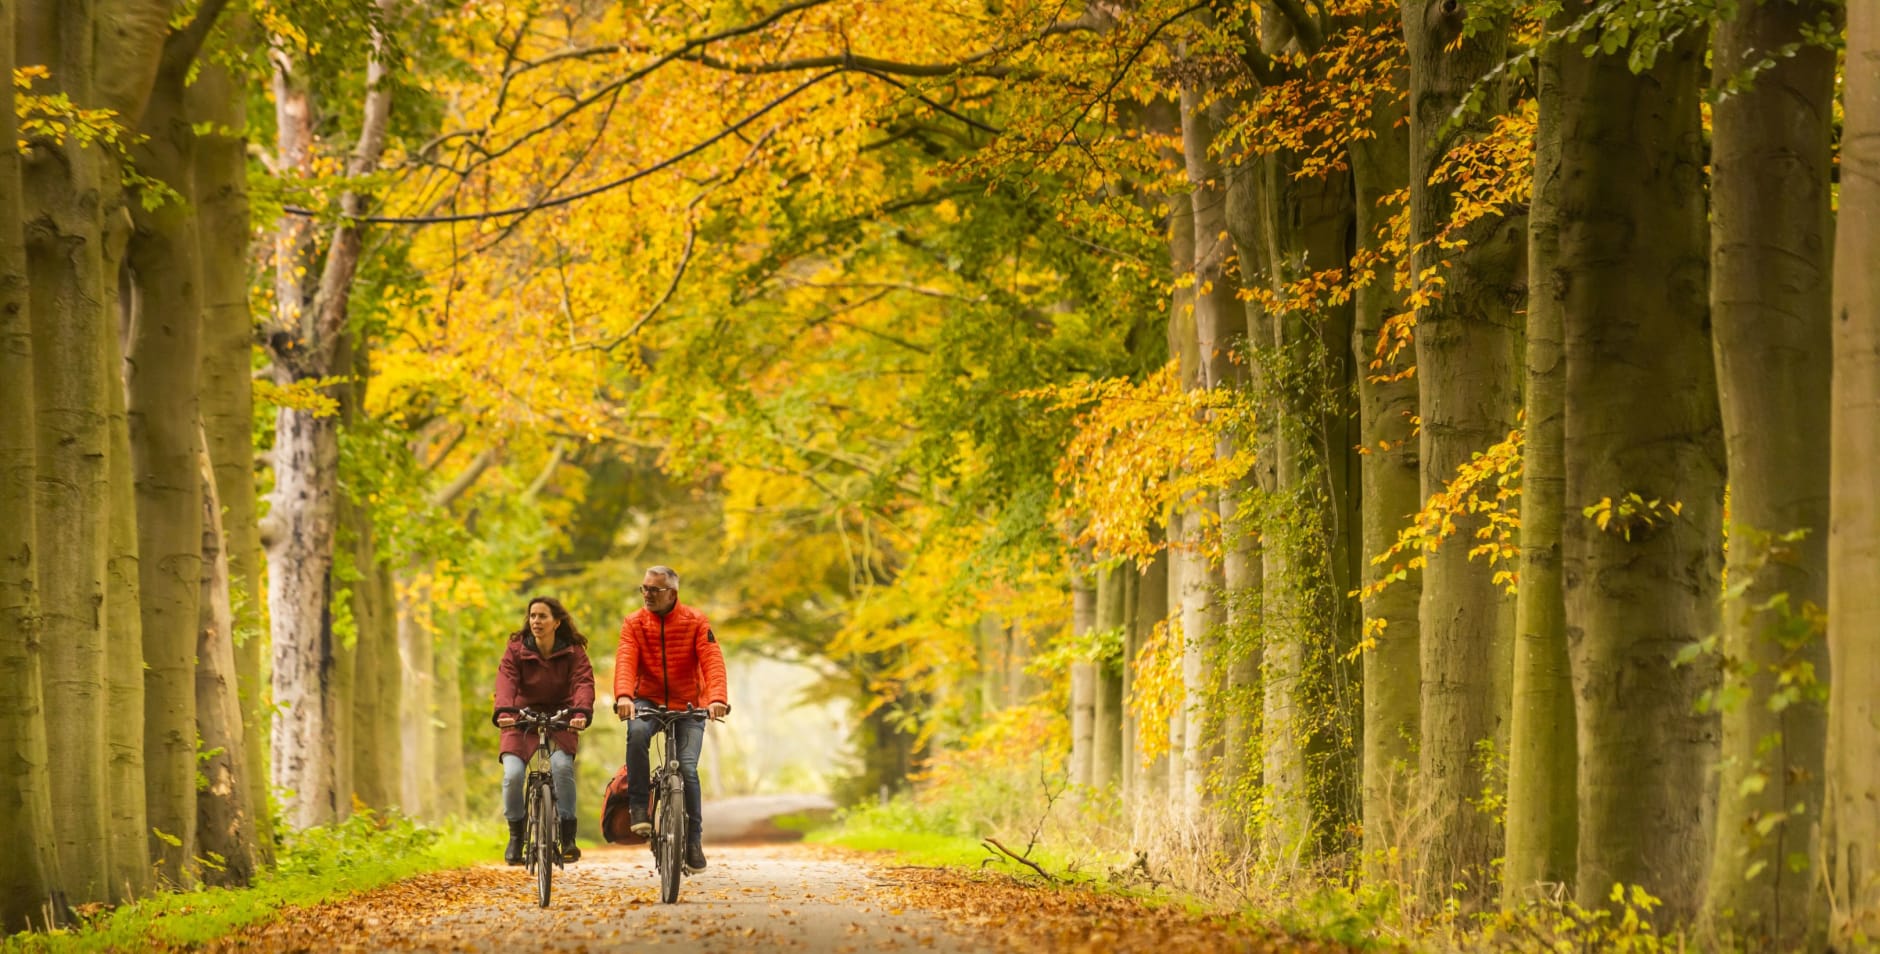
671,575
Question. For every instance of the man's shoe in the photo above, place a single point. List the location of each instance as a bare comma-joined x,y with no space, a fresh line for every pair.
694,854
569,850
513,853
639,823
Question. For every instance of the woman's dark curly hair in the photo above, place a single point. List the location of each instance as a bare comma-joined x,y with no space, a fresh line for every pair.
565,631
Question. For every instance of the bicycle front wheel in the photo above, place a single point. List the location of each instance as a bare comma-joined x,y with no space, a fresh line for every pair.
670,828
547,854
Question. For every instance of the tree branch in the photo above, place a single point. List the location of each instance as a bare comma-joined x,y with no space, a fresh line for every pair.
1305,25
182,46
448,494
632,177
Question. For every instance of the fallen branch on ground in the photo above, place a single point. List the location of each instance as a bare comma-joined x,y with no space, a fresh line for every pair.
992,843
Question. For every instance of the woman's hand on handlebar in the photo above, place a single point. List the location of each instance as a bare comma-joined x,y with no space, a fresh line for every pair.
506,719
717,710
578,721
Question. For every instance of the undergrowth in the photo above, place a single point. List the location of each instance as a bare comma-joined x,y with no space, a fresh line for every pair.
316,865
1002,804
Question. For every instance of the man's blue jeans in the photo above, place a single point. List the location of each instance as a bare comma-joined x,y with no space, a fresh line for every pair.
560,769
640,733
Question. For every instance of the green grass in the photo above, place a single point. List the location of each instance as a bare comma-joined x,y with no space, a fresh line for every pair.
886,832
804,822
914,848
319,865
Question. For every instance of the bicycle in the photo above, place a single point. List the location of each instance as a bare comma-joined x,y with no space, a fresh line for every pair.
668,791
539,849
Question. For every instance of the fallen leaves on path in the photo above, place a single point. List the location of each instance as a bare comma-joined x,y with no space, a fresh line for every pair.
1028,917
796,899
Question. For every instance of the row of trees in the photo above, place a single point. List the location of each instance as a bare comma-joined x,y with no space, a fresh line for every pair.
1615,306
169,692
1327,405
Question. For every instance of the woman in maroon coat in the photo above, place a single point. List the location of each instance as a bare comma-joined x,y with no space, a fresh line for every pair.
546,680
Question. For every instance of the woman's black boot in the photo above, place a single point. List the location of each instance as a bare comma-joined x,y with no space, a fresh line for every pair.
513,853
569,851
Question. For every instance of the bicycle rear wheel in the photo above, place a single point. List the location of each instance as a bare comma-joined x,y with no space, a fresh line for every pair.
546,852
670,830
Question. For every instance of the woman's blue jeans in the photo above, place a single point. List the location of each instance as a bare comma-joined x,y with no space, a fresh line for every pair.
560,769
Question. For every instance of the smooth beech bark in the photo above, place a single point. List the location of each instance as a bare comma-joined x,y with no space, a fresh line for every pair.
30,892
1107,752
1542,815
72,381
1633,268
1853,774
225,827
227,394
165,272
1771,291
418,700
130,833
1083,684
1391,493
1466,340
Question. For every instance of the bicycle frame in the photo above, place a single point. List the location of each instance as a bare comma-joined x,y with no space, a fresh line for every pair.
668,791
540,852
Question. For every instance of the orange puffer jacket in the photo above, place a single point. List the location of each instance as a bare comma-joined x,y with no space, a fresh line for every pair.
673,660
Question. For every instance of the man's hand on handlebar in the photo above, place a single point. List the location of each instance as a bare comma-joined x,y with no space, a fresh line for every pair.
578,722
506,720
717,710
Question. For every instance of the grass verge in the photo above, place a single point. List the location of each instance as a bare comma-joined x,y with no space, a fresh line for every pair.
317,865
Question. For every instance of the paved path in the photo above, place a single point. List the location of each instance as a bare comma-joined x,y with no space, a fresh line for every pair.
749,818
753,898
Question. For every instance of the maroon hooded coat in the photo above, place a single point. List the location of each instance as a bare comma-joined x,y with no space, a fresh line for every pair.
564,679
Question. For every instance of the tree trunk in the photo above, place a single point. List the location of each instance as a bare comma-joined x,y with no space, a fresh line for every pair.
1200,623
1151,611
1391,492
1633,269
299,573
30,891
449,726
300,585
1106,756
1542,780
1083,685
1225,659
1465,353
161,381
1853,774
345,676
227,397
418,702
1325,230
1129,757
127,823
375,753
225,819
1771,293
391,754
72,380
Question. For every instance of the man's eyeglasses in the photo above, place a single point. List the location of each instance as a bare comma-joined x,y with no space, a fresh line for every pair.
655,590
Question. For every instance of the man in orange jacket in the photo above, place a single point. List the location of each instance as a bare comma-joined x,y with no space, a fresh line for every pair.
668,657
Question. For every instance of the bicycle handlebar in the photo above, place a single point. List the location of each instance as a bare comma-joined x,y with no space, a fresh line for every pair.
529,719
665,714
